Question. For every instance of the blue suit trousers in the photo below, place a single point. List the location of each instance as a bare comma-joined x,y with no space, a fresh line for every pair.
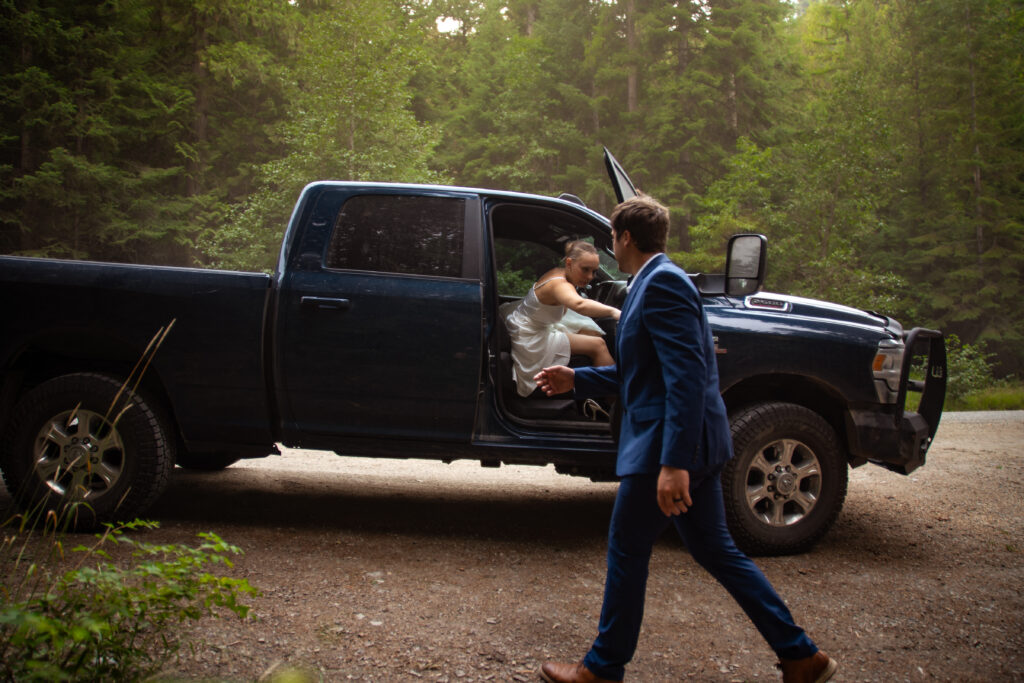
636,523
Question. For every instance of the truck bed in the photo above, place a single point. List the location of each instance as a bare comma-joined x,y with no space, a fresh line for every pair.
211,365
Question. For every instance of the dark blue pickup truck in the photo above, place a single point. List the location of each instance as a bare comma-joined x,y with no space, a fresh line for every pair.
379,334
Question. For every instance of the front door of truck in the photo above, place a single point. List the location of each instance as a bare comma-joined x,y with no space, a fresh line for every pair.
623,186
379,316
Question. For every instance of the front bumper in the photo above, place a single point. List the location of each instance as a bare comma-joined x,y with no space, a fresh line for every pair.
899,439
899,447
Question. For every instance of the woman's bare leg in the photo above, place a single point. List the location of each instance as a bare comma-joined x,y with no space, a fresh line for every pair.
593,347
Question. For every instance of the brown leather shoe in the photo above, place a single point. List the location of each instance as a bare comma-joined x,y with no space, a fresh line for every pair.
817,668
560,672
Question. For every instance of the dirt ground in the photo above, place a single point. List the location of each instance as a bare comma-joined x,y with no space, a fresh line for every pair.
388,570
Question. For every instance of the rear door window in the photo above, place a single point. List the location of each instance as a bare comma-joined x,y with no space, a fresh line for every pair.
412,235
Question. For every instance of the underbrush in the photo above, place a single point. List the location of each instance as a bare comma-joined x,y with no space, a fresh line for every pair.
1003,397
108,610
971,384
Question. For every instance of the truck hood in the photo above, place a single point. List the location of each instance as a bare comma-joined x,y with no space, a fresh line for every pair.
813,308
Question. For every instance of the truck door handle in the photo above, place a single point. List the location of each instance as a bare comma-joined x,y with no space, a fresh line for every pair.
322,303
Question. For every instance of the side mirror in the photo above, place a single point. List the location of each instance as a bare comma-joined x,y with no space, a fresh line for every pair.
745,264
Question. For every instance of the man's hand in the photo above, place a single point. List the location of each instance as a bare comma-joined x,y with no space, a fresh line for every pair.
674,491
557,379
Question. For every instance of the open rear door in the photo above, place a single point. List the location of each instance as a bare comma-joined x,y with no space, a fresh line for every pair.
621,183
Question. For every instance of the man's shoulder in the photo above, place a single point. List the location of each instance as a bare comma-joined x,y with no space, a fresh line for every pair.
666,270
667,279
667,265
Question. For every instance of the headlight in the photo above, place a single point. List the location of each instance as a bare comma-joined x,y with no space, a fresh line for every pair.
886,368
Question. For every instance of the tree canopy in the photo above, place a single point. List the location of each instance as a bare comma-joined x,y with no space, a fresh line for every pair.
878,143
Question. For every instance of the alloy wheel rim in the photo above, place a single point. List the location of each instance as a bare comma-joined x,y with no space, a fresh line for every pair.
79,454
783,482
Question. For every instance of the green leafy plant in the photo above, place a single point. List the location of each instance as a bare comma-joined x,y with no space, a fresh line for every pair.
971,383
111,609
514,282
969,368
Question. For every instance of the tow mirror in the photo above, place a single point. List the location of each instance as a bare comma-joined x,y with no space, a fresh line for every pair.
745,264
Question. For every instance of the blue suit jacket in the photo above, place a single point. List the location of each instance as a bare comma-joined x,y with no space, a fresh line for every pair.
666,377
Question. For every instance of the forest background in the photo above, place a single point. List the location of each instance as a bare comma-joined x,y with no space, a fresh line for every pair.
878,143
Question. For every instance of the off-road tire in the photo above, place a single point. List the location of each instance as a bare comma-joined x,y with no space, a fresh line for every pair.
787,482
58,449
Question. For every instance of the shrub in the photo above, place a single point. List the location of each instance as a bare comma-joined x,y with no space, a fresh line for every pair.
968,368
98,620
514,282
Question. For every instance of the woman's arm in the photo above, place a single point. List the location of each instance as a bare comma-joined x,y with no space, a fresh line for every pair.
565,294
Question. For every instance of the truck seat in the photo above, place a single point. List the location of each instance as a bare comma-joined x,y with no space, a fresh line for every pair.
536,406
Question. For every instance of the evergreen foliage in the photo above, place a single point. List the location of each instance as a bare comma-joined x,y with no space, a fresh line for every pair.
348,117
878,143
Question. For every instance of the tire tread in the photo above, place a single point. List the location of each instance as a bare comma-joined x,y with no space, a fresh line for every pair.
153,448
750,424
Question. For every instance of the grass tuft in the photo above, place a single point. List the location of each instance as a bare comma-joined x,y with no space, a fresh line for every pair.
1002,397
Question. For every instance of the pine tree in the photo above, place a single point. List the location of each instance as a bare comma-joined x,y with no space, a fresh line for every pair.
349,117
124,136
70,100
957,100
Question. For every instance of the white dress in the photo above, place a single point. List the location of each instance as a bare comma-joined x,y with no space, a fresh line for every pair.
539,335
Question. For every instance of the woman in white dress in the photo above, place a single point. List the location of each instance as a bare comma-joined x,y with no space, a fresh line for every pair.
543,328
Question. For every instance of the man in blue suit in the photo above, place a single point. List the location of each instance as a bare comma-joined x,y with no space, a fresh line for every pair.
673,443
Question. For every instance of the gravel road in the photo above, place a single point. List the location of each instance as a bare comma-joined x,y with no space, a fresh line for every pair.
390,570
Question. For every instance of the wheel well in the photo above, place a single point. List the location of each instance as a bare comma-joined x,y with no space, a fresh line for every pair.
44,360
803,391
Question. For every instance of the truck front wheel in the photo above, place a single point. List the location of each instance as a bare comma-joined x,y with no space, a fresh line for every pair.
786,484
81,439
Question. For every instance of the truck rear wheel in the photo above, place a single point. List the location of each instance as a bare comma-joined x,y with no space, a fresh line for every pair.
786,484
68,442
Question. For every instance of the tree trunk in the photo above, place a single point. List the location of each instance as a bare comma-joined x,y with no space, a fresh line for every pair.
26,165
632,75
734,113
200,119
979,227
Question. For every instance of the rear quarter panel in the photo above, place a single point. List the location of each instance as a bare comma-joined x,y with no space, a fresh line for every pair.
210,365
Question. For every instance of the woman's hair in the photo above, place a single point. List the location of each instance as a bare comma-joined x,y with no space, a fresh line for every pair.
577,248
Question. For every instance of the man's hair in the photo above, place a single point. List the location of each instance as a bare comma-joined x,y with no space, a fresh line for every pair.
645,219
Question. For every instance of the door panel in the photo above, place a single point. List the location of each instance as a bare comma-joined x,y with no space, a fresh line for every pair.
365,353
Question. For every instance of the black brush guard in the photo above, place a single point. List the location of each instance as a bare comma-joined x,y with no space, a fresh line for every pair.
900,440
